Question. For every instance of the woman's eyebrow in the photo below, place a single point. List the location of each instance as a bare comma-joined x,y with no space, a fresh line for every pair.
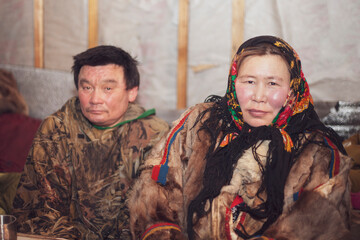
275,78
246,76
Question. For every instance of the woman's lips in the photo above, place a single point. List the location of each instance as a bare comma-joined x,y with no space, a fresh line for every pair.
257,113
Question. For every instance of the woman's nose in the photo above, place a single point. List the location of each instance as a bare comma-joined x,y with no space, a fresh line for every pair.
260,93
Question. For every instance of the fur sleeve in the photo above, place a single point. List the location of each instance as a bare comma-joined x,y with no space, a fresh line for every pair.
158,209
322,209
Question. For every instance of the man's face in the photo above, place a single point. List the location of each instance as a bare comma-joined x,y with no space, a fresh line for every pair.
103,95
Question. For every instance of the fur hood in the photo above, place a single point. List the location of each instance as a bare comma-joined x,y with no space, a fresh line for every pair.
11,101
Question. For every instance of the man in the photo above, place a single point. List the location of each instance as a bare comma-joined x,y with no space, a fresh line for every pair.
85,156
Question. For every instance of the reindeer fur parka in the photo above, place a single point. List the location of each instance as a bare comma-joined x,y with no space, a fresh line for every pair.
316,201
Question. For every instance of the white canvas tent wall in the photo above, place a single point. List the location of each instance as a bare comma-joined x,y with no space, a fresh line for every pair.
325,33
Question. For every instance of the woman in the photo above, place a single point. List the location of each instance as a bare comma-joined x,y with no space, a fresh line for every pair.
256,163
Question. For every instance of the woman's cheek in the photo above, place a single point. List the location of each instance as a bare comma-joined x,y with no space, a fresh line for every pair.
277,98
243,95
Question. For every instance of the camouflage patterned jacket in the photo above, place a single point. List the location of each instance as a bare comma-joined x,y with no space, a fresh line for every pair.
76,178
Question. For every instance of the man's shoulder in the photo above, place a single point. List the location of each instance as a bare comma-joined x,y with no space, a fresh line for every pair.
61,116
150,120
70,107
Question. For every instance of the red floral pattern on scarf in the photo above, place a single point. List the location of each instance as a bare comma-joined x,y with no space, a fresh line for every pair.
297,101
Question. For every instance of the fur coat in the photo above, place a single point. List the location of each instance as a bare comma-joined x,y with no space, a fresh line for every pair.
11,101
316,201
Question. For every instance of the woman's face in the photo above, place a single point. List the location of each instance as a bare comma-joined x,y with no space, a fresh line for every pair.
262,86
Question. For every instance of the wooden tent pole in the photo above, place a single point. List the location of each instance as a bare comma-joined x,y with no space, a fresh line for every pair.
39,33
93,23
237,28
182,53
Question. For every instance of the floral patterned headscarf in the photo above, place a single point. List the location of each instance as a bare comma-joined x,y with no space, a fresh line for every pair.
297,101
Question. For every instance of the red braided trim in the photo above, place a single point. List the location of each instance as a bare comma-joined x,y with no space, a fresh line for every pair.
158,227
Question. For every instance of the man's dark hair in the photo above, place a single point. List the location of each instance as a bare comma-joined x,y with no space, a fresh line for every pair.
103,55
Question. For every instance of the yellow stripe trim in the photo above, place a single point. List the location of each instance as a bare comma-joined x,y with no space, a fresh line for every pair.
159,228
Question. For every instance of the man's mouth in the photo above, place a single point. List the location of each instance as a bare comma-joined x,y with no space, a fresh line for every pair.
95,111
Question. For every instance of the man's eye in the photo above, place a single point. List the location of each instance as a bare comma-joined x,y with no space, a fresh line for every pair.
108,89
86,88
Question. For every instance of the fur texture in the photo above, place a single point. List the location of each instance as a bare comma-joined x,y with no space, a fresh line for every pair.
11,101
310,210
324,205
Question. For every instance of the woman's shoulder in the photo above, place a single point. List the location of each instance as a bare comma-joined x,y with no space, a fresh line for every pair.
200,107
318,138
323,149
191,114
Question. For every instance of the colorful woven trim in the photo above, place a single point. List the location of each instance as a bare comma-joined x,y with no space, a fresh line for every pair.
159,227
335,158
297,195
227,224
160,171
233,211
334,165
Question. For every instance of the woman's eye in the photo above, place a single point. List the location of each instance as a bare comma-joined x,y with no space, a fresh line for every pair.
272,83
108,89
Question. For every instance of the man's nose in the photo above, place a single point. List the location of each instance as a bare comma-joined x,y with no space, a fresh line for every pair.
96,97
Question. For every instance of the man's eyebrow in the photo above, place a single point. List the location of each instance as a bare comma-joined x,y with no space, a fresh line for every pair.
82,80
110,81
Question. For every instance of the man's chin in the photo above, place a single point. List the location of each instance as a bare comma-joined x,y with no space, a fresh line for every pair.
97,121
